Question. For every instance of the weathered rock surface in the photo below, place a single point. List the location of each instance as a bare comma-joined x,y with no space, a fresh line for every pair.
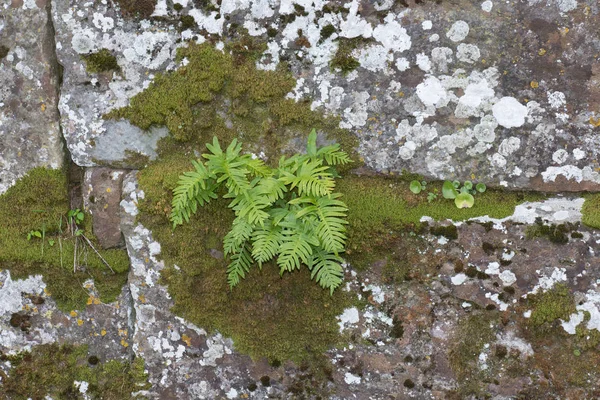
102,195
29,86
504,92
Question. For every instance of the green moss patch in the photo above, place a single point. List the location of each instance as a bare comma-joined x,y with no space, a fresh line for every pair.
380,205
51,370
38,202
556,303
591,211
223,94
470,336
281,318
101,61
343,58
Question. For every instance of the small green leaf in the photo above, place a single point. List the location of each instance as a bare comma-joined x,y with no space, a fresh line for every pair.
431,197
480,187
449,191
468,185
80,216
576,352
51,242
78,232
37,234
456,184
423,183
415,187
464,200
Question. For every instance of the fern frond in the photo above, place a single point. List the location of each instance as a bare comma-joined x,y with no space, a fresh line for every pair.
251,206
266,242
333,155
272,188
257,167
241,261
240,232
194,189
326,269
311,178
330,230
296,248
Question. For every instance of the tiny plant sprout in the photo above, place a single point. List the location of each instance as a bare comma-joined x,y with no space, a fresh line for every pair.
456,184
480,187
464,200
416,187
468,185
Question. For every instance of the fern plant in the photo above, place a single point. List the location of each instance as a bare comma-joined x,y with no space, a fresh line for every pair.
290,213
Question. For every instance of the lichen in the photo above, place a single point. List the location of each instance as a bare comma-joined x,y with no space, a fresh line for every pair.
101,61
39,201
51,370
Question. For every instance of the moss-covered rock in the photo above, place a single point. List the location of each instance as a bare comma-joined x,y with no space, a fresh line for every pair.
39,202
101,61
64,372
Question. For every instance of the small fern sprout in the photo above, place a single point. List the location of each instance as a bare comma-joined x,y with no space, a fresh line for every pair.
289,213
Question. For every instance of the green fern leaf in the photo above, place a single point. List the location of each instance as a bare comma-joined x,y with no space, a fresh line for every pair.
241,261
193,189
266,242
331,213
240,232
326,269
333,155
311,178
296,247
257,167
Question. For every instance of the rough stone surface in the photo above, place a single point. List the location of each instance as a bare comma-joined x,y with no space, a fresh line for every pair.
451,90
29,79
102,195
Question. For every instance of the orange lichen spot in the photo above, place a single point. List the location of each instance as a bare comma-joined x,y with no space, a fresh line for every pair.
186,339
73,313
79,321
541,52
122,332
103,332
142,298
564,31
473,176
43,107
534,84
108,190
124,343
595,122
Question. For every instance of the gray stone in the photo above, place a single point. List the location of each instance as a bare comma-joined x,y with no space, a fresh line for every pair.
29,77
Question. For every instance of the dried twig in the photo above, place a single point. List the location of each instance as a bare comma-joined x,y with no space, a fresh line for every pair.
96,251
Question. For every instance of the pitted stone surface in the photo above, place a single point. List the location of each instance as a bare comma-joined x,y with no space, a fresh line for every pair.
101,198
29,77
504,92
103,327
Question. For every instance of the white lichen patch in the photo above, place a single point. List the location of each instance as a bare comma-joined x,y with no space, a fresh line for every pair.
468,53
458,32
349,317
591,307
431,91
509,112
11,292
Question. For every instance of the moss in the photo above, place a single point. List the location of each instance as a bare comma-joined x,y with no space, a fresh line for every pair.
379,205
3,51
586,339
267,315
327,31
100,61
591,211
468,340
177,7
449,231
343,58
187,22
555,233
39,201
272,32
51,371
224,94
556,303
